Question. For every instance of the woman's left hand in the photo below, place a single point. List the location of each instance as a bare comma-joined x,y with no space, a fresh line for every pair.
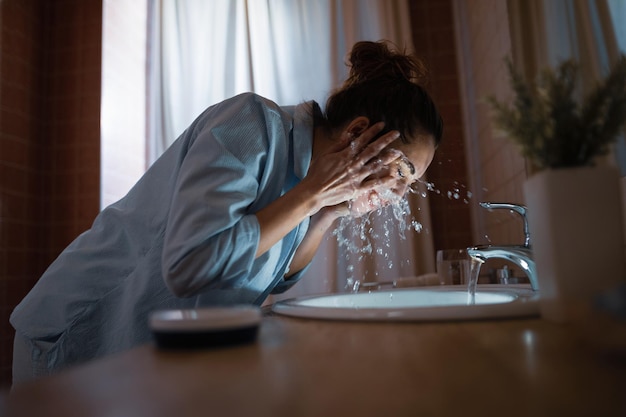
354,167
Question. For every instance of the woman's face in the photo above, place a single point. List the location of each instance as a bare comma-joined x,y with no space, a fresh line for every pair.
418,156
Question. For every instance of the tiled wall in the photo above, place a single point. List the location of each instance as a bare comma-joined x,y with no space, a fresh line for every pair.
434,41
19,173
50,66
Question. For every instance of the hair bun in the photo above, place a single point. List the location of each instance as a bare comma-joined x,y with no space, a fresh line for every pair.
370,61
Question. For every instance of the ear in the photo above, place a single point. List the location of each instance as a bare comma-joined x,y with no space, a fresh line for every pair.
357,126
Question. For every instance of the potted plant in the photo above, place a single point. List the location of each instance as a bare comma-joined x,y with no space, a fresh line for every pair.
573,195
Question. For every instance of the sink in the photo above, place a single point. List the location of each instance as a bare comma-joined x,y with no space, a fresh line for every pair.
450,302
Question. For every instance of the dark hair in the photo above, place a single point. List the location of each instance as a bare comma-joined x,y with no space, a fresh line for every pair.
385,85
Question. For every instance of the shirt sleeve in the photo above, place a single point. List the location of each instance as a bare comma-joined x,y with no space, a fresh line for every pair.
286,283
212,235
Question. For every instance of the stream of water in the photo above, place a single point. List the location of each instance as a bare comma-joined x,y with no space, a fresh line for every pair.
472,282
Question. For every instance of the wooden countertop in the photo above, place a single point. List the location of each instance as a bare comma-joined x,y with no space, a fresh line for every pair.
302,367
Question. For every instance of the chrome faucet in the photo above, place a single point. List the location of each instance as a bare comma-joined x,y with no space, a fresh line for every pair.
520,255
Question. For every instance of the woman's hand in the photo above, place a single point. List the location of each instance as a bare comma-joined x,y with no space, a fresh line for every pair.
353,169
370,175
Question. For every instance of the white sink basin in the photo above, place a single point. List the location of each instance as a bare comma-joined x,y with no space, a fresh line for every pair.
417,304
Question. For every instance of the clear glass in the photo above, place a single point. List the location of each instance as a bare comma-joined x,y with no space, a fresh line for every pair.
453,266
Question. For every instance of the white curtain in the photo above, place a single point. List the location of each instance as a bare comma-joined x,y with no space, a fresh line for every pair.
544,33
289,51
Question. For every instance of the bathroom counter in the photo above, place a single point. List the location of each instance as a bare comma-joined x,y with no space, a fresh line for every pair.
297,367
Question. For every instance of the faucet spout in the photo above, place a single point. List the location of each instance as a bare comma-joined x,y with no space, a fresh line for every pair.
519,255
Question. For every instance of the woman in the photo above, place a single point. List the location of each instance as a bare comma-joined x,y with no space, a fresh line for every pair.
234,210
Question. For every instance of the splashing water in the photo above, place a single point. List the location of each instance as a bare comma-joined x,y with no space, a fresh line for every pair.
457,192
357,236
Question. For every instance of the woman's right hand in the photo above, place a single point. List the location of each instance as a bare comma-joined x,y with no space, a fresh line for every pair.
353,168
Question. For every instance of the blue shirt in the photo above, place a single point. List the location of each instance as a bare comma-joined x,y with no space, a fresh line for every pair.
184,236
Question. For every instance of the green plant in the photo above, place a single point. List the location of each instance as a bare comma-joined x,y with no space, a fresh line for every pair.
551,127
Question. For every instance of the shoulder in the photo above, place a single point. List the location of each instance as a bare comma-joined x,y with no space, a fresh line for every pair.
250,100
247,109
242,120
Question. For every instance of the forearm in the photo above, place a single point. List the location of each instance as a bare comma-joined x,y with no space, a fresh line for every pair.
281,216
320,223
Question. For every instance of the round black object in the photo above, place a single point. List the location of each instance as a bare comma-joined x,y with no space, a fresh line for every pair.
205,328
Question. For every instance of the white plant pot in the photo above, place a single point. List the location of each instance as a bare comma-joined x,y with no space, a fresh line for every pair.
575,222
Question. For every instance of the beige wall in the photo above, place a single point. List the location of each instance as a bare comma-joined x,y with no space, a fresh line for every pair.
433,26
497,170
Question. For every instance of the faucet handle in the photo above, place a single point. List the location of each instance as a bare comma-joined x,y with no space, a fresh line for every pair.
517,208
